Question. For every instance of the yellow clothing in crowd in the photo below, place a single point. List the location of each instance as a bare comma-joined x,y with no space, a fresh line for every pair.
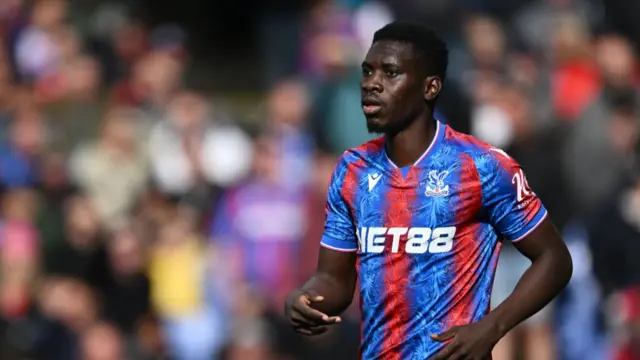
176,273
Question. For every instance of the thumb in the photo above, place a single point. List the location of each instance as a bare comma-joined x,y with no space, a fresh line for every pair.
313,296
445,336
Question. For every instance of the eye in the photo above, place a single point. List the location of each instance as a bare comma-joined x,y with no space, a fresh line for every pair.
391,73
366,72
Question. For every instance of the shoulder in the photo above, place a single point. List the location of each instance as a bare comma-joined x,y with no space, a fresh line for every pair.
355,160
488,160
363,155
482,153
466,144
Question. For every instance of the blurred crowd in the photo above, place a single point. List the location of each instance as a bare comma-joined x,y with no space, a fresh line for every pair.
139,219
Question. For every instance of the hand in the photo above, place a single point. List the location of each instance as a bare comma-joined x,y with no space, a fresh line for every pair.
304,319
469,342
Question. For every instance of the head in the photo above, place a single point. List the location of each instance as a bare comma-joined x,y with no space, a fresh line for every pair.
158,75
54,173
126,252
69,301
288,103
102,342
48,14
267,161
28,132
118,129
486,41
571,39
130,40
20,205
82,224
172,233
616,59
188,111
68,41
83,78
402,76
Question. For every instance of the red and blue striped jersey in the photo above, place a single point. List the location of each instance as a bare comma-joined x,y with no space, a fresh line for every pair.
427,236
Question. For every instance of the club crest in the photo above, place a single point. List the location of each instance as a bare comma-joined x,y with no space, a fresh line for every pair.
436,186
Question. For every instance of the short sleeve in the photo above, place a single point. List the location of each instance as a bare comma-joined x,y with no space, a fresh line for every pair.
339,230
513,208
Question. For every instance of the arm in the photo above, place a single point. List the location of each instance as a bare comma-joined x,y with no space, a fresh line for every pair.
549,273
335,280
330,290
517,215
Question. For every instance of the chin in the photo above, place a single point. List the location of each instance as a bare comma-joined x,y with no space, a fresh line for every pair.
376,126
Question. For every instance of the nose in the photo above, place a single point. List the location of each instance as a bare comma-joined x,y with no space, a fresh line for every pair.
371,83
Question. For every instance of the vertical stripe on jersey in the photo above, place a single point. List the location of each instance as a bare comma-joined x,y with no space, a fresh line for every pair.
467,251
370,265
350,194
399,213
350,185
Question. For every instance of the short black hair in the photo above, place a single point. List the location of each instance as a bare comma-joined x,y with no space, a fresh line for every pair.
424,41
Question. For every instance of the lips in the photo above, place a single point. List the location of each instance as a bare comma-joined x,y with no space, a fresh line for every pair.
371,106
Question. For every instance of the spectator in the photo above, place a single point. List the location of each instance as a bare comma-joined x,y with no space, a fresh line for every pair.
287,115
102,342
78,253
190,150
112,169
125,289
192,329
37,52
20,155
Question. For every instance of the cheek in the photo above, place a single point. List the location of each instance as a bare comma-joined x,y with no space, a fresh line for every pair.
405,101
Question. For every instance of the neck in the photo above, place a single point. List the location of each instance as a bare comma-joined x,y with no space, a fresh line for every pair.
406,147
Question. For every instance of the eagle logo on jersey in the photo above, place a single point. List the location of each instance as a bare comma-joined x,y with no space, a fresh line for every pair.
436,186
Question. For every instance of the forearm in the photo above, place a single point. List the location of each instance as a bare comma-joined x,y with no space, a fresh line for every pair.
337,293
545,279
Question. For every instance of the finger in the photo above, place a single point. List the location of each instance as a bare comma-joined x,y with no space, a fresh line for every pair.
447,353
300,321
312,330
312,296
299,318
445,336
306,313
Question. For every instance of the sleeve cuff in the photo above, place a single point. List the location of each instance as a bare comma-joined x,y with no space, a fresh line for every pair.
531,226
338,244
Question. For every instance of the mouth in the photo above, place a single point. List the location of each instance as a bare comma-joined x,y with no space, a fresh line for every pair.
371,106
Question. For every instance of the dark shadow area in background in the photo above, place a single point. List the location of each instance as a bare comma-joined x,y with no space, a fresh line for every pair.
224,35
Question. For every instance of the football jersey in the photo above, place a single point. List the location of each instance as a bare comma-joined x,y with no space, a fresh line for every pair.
427,236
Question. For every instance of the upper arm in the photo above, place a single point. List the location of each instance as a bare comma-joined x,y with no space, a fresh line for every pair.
543,239
514,210
339,266
339,242
339,229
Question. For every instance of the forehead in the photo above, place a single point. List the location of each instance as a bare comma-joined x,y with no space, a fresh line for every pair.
392,52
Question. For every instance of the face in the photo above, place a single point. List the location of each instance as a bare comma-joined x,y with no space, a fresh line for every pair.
125,252
395,89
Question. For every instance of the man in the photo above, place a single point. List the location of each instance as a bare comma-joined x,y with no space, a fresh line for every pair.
419,214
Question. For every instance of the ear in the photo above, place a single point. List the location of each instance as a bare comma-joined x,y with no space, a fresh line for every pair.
432,87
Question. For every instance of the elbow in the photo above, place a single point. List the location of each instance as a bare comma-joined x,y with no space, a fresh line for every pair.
564,266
